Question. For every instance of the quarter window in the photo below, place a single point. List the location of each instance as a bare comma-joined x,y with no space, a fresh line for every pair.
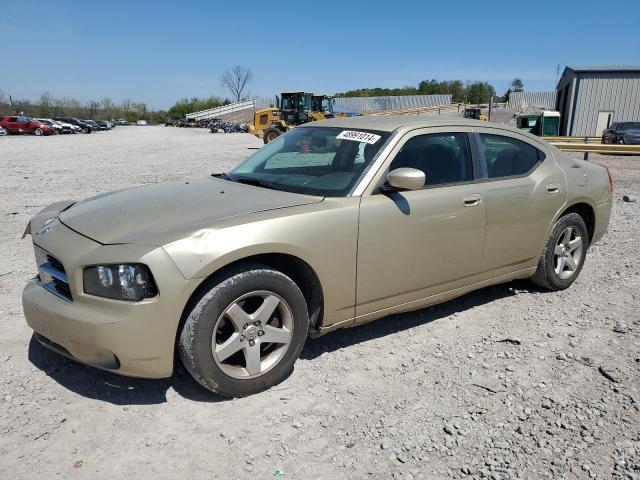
508,157
444,158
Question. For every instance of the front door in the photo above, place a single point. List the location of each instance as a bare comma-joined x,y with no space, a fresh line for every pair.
604,121
416,244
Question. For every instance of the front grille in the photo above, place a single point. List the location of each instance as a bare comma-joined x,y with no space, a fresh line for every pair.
55,263
53,276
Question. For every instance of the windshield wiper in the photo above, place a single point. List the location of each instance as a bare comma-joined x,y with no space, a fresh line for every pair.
255,182
222,175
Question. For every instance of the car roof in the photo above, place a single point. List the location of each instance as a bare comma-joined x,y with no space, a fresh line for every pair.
390,123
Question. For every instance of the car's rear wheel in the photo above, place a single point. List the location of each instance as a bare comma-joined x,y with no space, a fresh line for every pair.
38,132
564,253
244,334
4,131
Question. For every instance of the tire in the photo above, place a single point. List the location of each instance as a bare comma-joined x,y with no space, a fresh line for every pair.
4,131
38,132
251,288
270,134
86,130
556,271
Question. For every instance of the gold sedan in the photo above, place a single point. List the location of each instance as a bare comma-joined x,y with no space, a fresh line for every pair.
331,225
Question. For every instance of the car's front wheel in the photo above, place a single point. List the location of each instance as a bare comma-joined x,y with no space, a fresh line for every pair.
270,134
564,253
39,132
245,333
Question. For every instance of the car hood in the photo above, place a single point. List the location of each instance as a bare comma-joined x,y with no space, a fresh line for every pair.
159,213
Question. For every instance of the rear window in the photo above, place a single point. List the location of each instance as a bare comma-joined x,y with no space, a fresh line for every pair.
508,157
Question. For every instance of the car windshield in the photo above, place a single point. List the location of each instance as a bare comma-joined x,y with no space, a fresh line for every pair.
323,161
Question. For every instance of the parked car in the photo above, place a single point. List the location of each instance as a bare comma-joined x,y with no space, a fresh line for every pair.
84,126
72,128
103,125
627,133
238,269
141,122
96,127
122,121
16,124
58,130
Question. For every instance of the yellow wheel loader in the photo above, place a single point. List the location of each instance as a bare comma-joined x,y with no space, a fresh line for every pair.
295,108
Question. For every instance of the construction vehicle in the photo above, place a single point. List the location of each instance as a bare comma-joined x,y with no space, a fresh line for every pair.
475,114
292,109
323,104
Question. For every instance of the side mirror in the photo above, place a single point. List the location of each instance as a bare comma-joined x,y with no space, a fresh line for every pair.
406,178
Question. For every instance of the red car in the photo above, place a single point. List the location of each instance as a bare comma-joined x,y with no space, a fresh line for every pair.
17,124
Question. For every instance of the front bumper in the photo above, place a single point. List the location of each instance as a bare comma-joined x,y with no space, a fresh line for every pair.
129,338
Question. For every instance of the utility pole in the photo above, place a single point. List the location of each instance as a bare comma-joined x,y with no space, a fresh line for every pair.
490,106
557,74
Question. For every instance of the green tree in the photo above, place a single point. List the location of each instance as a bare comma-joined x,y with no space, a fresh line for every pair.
517,85
479,92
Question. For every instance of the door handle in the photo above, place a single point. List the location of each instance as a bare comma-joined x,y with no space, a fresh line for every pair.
472,200
553,188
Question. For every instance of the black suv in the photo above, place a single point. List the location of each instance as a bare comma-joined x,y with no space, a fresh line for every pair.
86,128
627,133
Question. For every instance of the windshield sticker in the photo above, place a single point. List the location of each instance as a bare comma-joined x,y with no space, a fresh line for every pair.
358,136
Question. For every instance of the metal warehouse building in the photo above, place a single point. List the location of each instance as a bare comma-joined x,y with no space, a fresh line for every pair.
589,99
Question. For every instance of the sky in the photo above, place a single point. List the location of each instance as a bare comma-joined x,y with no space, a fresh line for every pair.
157,52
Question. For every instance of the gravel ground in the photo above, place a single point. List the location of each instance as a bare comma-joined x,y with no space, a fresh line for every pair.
507,382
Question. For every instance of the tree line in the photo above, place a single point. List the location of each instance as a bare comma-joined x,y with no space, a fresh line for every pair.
48,106
461,92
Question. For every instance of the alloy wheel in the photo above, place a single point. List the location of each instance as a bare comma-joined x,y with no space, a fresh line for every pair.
568,253
252,334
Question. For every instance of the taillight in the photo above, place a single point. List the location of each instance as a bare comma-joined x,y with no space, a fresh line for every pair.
610,180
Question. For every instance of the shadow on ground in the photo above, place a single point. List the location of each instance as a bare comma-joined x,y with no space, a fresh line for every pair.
106,386
404,321
109,387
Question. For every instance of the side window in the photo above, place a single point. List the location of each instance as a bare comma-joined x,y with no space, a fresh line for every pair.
13,119
508,157
443,157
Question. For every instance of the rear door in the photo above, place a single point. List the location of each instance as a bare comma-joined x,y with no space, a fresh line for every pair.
416,244
525,190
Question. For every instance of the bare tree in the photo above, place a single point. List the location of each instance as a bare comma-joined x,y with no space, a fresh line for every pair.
107,106
93,107
46,102
235,80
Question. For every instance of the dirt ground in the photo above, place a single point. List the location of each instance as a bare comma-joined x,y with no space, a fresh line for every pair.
507,382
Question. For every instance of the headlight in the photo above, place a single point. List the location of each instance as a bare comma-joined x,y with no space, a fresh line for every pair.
129,282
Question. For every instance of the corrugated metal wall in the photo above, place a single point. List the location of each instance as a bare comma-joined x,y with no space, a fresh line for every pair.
380,104
376,104
519,100
615,92
264,102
